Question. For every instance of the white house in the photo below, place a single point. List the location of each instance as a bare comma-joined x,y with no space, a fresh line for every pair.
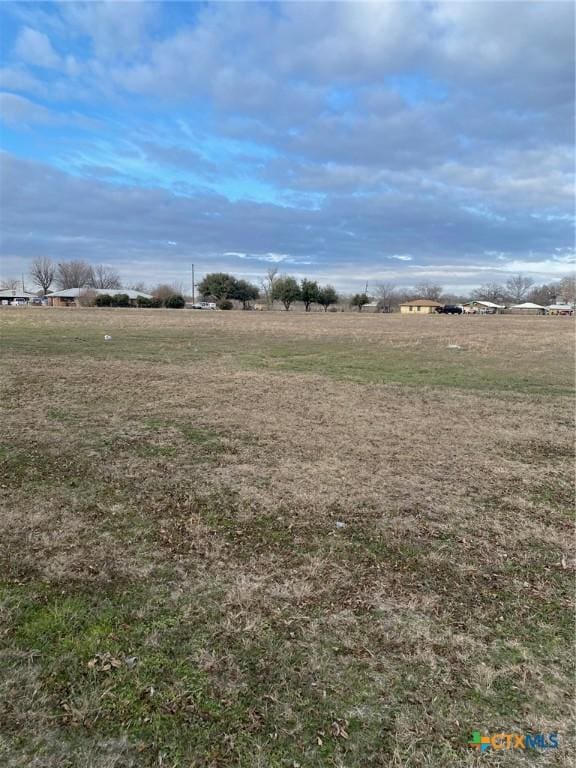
70,297
15,296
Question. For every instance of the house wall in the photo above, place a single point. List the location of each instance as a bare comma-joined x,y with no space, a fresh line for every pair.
59,301
418,310
526,311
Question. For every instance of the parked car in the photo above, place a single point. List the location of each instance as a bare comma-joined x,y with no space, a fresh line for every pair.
204,305
450,309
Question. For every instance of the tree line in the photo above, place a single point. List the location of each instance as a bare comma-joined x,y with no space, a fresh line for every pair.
283,288
72,274
517,289
225,288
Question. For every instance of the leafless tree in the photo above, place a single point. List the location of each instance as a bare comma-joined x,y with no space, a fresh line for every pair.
42,271
518,286
489,292
268,283
139,286
544,294
387,295
105,277
567,290
164,290
428,290
74,274
9,284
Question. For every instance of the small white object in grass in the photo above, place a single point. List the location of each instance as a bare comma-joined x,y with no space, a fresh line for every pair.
107,338
340,524
454,346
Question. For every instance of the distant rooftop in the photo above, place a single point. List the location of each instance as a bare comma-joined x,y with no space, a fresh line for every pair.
74,293
16,293
421,303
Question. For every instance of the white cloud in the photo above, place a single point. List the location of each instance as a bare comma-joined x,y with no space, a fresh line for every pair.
17,110
35,48
18,79
115,28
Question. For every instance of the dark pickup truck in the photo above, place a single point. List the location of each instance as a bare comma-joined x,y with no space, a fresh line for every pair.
450,309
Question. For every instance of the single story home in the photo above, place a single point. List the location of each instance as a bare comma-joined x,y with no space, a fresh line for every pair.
560,309
73,297
527,308
482,307
16,297
422,306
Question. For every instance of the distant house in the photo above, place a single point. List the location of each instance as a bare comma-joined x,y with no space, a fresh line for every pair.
15,297
72,297
372,306
482,307
560,309
420,306
527,308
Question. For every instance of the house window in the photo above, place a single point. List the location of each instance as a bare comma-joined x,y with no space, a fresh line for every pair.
418,308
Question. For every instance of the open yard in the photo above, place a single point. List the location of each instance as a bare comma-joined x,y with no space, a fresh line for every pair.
272,540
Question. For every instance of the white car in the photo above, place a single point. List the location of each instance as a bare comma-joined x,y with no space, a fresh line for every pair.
204,305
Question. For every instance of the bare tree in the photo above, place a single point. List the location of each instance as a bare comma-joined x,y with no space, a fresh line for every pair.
42,271
268,284
518,286
74,274
105,277
9,284
544,294
428,290
489,292
165,290
139,286
567,290
387,295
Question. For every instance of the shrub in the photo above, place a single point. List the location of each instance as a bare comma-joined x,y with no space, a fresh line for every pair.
225,304
103,300
176,301
146,303
120,300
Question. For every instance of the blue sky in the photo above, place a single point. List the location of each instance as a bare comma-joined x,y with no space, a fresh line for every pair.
388,142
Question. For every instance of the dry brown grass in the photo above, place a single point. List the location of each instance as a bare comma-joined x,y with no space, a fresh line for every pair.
185,481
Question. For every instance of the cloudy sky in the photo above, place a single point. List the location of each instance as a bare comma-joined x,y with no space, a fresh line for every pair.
393,141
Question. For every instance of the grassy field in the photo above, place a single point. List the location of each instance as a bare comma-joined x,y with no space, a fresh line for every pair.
283,540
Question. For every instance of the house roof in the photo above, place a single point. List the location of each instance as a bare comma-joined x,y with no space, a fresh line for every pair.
565,307
421,303
527,305
16,293
484,304
74,293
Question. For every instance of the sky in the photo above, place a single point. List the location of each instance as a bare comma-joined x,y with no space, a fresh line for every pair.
345,142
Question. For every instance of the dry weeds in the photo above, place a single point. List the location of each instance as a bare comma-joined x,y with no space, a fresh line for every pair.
173,496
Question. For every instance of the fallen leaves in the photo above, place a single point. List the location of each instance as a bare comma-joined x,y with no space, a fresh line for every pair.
338,729
104,662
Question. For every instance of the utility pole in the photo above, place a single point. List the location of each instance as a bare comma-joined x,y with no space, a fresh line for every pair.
366,289
193,287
